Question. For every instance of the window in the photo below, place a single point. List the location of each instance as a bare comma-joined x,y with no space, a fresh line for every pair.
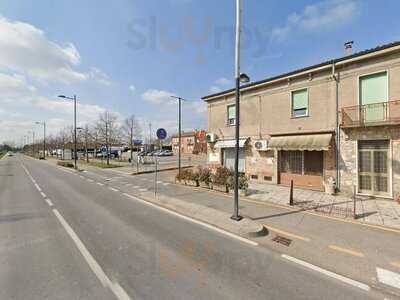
302,162
300,103
231,115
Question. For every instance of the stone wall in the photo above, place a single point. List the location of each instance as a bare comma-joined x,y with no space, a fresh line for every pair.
348,154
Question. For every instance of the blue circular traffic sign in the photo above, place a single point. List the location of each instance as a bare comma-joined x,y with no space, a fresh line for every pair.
161,133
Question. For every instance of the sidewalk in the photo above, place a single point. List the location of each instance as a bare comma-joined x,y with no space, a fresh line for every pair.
370,210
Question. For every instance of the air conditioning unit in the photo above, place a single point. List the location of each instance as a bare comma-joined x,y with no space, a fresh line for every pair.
211,137
261,145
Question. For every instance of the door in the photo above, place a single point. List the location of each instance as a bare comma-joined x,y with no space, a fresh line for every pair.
373,97
373,168
229,159
305,168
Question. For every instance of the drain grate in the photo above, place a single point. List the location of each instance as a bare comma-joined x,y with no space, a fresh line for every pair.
282,240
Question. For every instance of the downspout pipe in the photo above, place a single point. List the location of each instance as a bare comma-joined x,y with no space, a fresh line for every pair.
335,77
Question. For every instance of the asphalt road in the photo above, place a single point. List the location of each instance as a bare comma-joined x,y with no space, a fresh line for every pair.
69,238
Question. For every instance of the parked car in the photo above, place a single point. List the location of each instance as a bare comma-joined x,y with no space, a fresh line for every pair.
168,153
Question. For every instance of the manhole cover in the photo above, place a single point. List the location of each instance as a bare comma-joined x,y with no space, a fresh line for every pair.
282,240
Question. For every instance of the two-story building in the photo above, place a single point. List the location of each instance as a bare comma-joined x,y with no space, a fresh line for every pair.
338,120
192,142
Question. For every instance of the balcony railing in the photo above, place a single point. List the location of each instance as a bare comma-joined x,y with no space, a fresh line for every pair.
375,114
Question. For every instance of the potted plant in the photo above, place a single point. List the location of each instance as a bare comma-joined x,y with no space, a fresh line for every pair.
243,185
204,177
192,178
221,179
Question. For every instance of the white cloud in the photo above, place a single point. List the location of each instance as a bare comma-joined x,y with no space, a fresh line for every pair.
219,85
158,96
14,86
321,16
132,89
26,49
223,81
99,76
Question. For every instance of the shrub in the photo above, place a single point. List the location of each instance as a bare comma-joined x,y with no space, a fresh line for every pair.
204,174
65,164
243,181
183,175
222,176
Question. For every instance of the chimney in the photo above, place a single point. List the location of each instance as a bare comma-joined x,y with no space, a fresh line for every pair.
348,47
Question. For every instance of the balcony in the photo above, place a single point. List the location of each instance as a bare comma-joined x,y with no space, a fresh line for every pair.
375,114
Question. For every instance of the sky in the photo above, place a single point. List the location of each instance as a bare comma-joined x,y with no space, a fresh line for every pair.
129,56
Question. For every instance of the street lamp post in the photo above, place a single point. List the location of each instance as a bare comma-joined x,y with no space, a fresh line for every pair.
74,99
239,78
33,142
44,137
179,131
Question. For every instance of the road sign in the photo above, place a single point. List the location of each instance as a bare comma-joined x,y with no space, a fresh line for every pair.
103,149
161,133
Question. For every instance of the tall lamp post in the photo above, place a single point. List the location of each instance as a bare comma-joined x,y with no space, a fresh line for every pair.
239,78
33,142
74,99
44,137
179,131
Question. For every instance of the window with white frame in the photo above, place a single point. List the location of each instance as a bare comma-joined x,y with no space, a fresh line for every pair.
231,115
300,103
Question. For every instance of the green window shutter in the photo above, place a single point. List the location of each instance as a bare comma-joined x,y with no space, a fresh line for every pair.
231,112
373,88
300,99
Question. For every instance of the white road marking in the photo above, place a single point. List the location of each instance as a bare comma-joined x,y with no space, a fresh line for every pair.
96,268
99,183
90,180
143,190
136,186
38,187
114,190
388,277
159,182
49,202
328,273
166,183
43,194
81,177
227,233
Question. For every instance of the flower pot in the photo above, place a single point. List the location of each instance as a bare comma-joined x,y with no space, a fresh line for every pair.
220,187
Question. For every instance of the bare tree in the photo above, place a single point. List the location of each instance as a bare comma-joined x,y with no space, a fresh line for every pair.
131,130
109,131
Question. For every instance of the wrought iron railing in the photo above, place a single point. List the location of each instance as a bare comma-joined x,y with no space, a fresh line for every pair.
384,113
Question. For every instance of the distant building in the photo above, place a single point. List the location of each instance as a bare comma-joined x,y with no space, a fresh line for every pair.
192,142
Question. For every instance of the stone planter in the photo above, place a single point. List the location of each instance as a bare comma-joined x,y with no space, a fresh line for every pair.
183,182
205,185
192,183
243,192
220,188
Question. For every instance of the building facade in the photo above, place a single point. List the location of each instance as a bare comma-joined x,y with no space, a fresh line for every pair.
191,142
335,122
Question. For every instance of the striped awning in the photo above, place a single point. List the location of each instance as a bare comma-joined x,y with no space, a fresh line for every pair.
312,142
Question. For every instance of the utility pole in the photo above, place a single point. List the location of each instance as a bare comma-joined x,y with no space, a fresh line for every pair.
149,134
179,131
107,148
44,137
238,78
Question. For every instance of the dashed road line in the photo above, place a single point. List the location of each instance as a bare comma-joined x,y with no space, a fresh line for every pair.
347,280
112,189
388,277
43,195
38,187
136,186
395,264
209,226
143,190
289,234
99,183
49,202
90,180
166,183
118,291
345,250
